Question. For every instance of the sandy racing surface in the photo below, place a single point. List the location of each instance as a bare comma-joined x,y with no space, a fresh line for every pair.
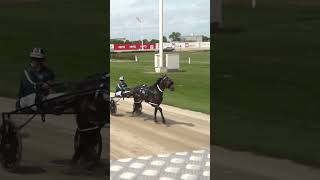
186,131
138,136
133,137
48,148
245,165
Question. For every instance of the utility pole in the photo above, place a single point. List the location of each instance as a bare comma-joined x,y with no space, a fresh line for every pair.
216,15
160,66
140,20
253,4
161,32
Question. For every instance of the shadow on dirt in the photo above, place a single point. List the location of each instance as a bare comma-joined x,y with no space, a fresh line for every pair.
25,135
169,122
64,162
99,170
29,170
117,115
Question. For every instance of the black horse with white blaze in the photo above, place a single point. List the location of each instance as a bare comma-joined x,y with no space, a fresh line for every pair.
152,95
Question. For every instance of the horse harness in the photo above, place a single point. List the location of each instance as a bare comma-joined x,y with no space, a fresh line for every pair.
145,91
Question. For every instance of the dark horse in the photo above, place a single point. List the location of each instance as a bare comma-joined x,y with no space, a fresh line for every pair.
92,113
152,95
88,100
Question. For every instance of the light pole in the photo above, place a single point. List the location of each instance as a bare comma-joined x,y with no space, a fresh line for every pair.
160,66
140,20
253,4
217,15
161,32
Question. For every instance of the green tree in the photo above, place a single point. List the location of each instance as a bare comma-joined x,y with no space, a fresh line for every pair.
154,41
116,41
145,41
205,38
165,39
136,42
175,36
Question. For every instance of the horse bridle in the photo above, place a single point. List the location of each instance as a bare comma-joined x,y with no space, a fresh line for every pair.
159,88
106,97
162,80
105,93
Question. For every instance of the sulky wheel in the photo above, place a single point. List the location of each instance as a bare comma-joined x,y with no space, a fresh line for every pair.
113,107
11,145
97,146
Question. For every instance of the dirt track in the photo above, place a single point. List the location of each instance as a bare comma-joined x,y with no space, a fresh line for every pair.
186,131
138,136
48,148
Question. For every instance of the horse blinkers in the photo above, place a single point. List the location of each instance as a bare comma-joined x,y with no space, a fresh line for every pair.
171,86
168,83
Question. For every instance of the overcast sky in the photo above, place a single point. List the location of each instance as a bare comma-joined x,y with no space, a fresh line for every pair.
184,16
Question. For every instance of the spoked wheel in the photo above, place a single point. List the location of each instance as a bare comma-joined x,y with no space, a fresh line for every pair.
97,147
113,108
11,145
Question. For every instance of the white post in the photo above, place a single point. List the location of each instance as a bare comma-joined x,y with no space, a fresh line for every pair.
161,32
189,60
140,20
253,4
136,58
142,33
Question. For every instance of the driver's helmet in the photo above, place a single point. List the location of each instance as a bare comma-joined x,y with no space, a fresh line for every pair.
121,78
38,54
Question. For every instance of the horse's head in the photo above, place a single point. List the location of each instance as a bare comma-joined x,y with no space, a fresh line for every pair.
103,92
167,83
98,101
95,81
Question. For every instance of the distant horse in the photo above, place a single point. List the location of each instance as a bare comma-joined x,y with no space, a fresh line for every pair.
152,95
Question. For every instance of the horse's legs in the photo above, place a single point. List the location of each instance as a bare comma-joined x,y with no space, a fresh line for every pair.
163,120
134,107
76,155
155,114
78,151
92,156
137,106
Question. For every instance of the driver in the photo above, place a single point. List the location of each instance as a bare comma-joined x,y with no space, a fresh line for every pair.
37,77
121,87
